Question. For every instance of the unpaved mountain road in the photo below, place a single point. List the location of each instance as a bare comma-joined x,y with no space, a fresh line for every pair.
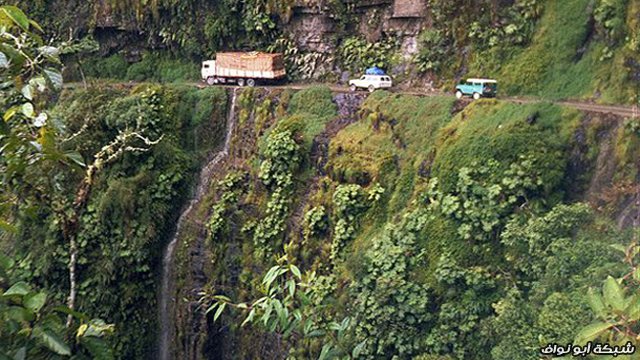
620,110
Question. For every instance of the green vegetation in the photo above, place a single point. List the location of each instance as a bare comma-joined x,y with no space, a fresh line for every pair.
358,54
134,201
575,49
433,234
30,324
401,227
566,60
152,67
118,164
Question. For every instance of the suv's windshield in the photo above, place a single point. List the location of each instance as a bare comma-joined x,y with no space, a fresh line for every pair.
490,86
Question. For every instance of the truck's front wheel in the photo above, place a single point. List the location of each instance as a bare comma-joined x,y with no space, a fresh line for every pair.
211,80
240,82
459,94
353,87
371,88
251,83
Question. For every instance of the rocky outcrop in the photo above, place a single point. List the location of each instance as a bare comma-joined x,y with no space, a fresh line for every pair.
314,29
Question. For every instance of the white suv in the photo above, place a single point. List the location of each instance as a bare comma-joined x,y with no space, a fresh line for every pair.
370,82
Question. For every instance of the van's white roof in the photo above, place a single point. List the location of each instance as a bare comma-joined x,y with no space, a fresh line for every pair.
480,80
208,61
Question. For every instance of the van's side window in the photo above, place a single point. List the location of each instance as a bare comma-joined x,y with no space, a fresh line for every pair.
206,66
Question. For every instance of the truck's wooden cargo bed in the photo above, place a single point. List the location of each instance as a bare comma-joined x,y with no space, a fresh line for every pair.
250,65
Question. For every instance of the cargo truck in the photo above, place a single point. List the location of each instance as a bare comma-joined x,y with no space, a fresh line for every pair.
243,68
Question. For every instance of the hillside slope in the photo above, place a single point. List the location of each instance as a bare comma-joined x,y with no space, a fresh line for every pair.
517,225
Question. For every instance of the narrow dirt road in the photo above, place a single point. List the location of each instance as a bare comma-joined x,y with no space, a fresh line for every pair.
620,110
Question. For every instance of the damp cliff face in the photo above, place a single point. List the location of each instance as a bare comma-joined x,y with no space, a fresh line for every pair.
400,144
167,299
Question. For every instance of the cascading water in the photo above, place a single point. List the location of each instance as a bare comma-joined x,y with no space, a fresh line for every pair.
165,313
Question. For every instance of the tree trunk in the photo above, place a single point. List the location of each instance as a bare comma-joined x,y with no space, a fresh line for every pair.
84,79
70,233
73,260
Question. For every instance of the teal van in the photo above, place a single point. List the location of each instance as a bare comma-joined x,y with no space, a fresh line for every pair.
477,88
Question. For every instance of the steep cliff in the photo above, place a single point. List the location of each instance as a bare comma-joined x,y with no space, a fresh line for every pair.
539,157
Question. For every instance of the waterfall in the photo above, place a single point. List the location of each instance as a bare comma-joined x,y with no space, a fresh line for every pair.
165,308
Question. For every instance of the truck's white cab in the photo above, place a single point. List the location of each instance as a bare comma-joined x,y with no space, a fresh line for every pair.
371,82
208,72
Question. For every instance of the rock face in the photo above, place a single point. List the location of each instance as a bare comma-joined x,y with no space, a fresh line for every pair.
106,17
313,29
409,8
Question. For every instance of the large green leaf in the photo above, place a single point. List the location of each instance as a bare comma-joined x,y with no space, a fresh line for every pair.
54,77
27,92
632,310
75,157
4,61
18,289
6,262
16,58
21,354
53,341
591,332
98,328
16,16
219,311
613,294
35,302
596,303
98,348
19,314
296,271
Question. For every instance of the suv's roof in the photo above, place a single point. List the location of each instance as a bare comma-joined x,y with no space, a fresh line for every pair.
481,80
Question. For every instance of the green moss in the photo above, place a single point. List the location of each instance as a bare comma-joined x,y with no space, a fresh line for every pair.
112,67
403,190
309,110
626,153
502,131
314,100
415,120
563,60
154,66
396,129
357,153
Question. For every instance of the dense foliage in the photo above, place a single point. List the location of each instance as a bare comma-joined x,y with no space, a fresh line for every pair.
96,231
399,228
439,247
30,325
570,49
